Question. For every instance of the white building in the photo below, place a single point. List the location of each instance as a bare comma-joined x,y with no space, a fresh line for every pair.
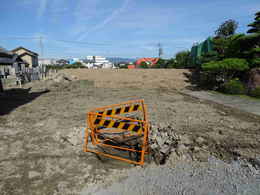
47,61
98,62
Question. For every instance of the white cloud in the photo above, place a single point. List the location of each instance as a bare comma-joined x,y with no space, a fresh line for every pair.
107,20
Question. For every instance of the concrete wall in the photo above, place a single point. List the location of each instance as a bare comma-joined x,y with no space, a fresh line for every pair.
29,60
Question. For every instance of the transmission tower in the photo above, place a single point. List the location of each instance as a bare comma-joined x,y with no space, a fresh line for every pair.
41,45
160,50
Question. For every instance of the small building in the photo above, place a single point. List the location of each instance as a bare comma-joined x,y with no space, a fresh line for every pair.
47,61
28,56
131,66
98,62
62,62
74,60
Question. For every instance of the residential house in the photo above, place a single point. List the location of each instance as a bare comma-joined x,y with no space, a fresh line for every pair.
28,56
149,61
9,62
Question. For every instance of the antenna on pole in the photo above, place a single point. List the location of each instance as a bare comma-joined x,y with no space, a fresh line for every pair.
160,50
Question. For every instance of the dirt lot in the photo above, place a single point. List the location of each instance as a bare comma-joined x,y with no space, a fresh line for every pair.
41,129
139,78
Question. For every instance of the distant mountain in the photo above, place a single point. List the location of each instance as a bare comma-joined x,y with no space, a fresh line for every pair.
116,60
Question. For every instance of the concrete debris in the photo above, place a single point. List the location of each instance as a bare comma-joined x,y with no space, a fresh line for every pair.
162,140
61,78
73,138
200,140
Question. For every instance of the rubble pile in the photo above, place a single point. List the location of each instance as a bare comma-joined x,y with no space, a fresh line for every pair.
163,140
73,138
61,77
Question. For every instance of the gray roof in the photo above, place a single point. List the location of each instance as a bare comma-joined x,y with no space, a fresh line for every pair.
8,58
29,51
5,53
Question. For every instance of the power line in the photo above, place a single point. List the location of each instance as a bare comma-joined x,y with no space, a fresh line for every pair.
17,37
79,42
44,38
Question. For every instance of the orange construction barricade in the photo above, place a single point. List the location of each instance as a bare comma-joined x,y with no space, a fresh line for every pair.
120,127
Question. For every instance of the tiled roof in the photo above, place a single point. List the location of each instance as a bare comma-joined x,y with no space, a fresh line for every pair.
149,61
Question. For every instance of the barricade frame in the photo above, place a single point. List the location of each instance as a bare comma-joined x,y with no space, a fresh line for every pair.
94,114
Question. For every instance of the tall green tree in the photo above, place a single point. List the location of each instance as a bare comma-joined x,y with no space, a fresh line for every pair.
229,47
183,59
252,41
255,26
227,28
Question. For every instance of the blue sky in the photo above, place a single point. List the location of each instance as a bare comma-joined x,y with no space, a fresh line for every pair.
123,28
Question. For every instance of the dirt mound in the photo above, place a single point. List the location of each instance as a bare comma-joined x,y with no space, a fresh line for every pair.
62,78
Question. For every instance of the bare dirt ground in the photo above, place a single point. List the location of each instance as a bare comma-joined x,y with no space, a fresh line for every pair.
139,78
41,129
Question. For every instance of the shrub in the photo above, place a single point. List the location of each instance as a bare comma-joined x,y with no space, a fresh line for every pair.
226,69
255,92
234,87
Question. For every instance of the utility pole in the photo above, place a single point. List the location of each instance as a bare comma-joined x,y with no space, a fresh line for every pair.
41,46
42,68
160,50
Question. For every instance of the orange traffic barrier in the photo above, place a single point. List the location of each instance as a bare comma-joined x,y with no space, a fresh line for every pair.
122,127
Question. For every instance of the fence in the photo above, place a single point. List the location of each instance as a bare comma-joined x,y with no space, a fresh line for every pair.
22,75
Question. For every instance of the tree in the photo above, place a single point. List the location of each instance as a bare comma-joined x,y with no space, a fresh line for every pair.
227,28
229,47
182,59
171,63
252,42
144,65
255,26
161,63
75,65
208,57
